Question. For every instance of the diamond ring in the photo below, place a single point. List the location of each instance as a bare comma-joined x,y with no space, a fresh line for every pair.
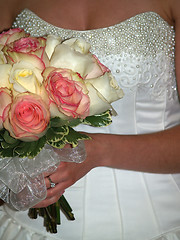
52,184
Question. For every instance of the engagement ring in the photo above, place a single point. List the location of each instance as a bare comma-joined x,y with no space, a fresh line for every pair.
52,184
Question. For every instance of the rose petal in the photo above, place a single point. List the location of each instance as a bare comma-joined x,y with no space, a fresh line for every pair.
79,45
51,42
5,70
107,86
65,57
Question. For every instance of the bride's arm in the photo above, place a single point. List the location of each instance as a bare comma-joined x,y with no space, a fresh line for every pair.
156,152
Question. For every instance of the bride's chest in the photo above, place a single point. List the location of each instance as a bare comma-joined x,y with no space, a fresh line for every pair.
85,14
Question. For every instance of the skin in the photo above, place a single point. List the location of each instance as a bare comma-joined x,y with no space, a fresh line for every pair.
157,152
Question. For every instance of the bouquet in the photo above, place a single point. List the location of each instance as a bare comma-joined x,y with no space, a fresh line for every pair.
47,87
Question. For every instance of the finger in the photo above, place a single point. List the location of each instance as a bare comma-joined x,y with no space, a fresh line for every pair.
51,181
57,191
48,201
52,169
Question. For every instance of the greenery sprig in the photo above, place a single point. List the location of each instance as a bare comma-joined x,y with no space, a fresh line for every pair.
59,133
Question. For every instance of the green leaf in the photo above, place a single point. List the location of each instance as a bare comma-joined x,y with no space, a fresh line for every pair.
101,120
8,138
23,149
58,122
1,136
7,152
37,146
64,130
75,122
6,145
59,144
56,134
73,137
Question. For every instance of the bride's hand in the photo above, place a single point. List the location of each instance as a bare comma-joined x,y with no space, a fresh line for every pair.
68,173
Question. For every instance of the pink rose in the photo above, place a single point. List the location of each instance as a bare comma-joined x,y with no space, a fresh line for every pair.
5,100
29,49
27,117
67,91
11,35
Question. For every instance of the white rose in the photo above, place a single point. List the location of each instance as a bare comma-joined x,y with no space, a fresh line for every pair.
5,70
74,54
51,42
25,77
2,58
79,45
66,57
5,100
102,92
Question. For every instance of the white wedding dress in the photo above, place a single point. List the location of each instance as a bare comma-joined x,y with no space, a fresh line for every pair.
111,204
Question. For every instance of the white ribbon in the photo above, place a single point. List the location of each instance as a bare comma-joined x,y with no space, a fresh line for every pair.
22,183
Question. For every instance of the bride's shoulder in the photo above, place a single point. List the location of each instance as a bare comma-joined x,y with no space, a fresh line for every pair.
175,8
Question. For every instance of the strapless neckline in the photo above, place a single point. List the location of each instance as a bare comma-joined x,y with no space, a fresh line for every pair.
102,28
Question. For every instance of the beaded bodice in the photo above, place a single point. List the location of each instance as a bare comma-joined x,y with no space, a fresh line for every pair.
140,53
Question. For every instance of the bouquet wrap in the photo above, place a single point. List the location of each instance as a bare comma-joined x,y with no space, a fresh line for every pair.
22,182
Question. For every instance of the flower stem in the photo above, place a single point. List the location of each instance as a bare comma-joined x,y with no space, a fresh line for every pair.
51,214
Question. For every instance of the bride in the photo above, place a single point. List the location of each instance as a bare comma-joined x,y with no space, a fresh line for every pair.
128,188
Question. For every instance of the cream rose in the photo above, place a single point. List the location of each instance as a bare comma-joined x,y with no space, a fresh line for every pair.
25,77
2,58
5,100
5,70
51,42
27,117
74,54
66,57
67,93
102,92
98,69
79,45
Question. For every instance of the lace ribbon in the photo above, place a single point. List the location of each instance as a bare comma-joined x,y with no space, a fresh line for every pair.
22,183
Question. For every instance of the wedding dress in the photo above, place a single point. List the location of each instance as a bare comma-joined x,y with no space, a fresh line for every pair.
113,204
